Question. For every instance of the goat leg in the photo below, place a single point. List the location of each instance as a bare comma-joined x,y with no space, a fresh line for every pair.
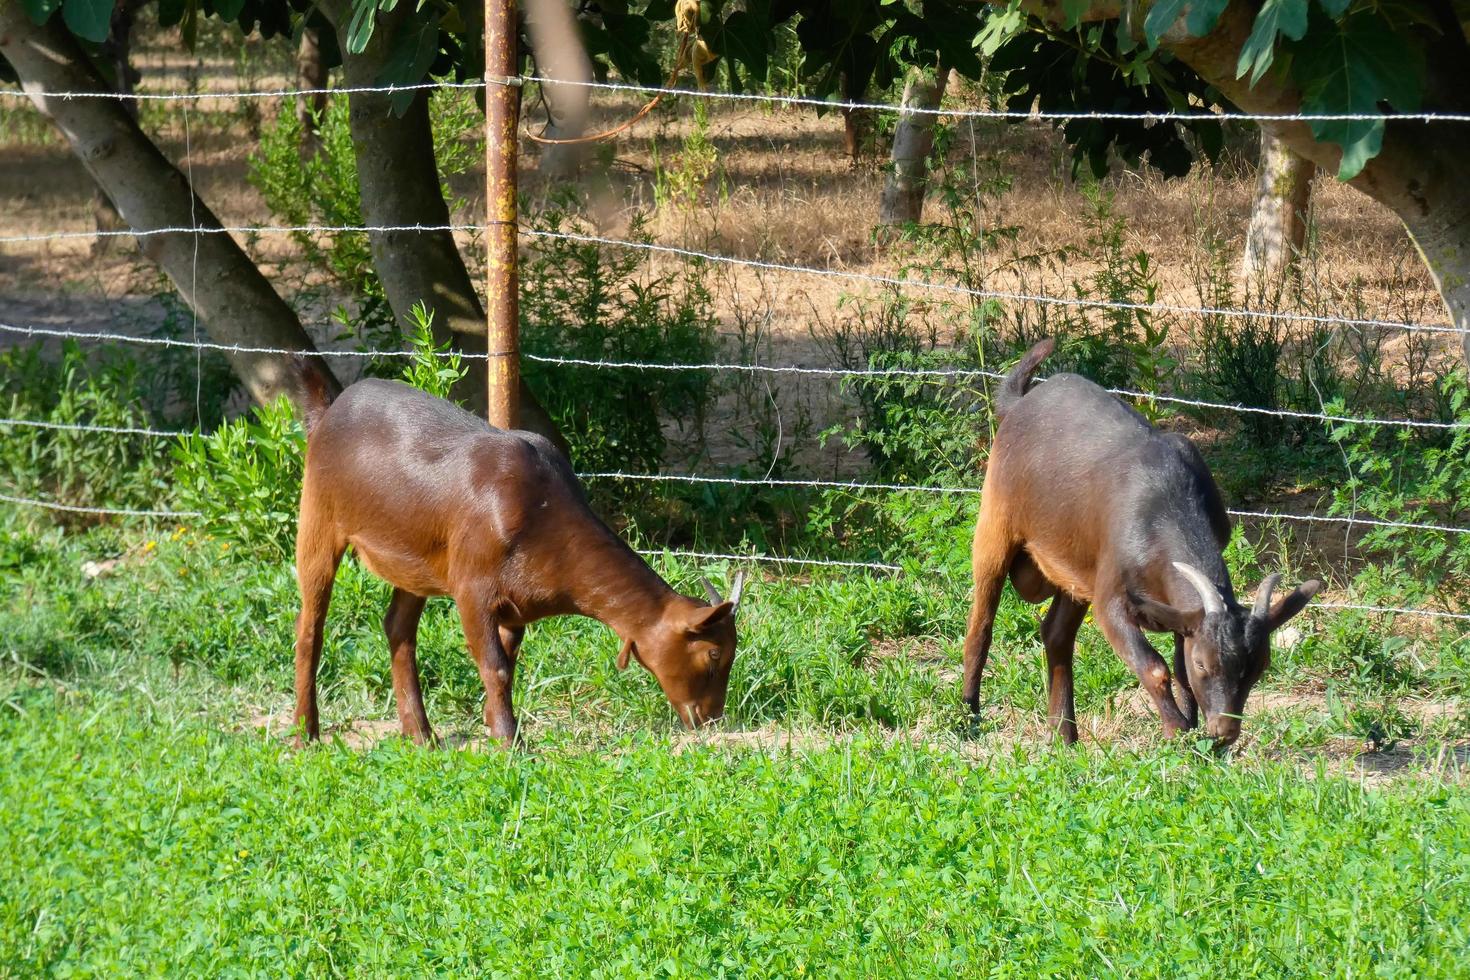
1059,636
1187,701
482,636
316,568
402,626
1131,645
990,559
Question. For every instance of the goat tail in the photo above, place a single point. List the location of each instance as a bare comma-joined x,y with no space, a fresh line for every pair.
317,390
1018,382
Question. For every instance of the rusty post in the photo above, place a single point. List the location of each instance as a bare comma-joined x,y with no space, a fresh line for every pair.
502,306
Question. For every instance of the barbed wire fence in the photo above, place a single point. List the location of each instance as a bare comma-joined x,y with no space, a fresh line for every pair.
32,331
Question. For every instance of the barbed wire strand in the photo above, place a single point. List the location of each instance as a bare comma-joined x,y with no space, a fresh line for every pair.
105,511
281,93
898,281
121,430
703,555
856,486
781,99
53,236
859,486
31,331
1046,115
1038,298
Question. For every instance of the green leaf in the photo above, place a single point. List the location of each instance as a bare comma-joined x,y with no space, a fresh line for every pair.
999,28
40,11
414,49
170,12
360,28
88,19
1283,17
1335,8
228,9
189,24
747,39
1204,15
1073,11
1161,16
1351,68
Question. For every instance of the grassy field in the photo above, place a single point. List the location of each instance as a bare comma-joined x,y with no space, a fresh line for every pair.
847,819
143,840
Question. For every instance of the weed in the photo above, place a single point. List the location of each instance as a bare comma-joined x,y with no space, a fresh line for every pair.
78,468
583,300
683,183
1418,476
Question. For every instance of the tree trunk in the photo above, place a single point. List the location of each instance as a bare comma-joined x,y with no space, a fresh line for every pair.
856,123
903,192
557,45
215,277
1278,228
398,180
1421,171
118,52
311,73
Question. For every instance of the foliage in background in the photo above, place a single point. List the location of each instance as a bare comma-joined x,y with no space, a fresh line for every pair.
79,469
593,302
683,181
321,188
432,367
304,189
1402,474
245,477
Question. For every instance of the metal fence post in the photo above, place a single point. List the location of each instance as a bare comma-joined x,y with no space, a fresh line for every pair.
502,306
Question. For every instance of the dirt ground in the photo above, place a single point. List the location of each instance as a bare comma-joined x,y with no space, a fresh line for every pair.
790,196
1128,725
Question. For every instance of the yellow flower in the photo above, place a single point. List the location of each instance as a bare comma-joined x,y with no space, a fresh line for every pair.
150,546
243,854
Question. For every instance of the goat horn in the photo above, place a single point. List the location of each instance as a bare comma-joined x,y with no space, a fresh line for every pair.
1208,594
1263,596
737,588
709,590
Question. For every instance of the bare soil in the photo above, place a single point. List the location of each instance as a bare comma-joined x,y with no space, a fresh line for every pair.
1128,725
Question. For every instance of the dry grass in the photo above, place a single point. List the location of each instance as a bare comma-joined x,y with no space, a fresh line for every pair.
1128,724
792,197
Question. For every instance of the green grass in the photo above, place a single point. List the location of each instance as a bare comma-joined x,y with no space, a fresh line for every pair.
140,840
144,833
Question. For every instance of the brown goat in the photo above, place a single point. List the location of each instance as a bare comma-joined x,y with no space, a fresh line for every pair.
1086,503
436,502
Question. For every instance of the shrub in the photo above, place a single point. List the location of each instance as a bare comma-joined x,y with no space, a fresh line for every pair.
245,478
583,300
1413,475
80,469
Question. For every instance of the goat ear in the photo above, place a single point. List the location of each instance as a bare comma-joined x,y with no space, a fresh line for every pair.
1159,618
624,654
702,619
1292,603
